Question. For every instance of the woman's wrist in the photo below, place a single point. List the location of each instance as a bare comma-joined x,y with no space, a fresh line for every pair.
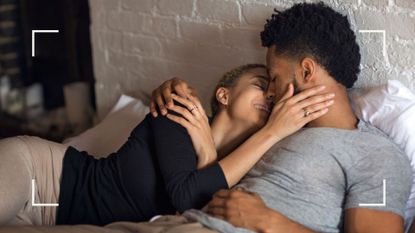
269,134
206,159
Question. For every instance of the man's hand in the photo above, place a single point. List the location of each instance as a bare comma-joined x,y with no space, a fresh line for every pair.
247,210
161,96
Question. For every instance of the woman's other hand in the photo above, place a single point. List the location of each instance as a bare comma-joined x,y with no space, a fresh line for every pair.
291,113
161,97
194,119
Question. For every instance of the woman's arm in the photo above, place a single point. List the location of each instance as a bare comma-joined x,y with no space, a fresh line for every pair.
286,118
187,186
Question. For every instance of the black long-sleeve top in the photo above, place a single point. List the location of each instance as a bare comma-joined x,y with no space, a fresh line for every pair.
153,173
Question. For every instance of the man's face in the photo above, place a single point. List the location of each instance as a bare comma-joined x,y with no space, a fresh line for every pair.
282,72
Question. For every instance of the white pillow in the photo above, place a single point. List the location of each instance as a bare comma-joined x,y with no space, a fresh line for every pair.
113,131
391,108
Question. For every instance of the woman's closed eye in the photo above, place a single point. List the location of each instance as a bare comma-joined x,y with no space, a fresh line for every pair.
261,85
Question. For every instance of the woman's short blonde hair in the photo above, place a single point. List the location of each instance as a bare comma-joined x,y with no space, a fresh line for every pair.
230,79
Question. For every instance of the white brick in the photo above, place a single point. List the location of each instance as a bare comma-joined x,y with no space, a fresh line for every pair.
200,32
402,55
371,49
145,6
394,24
111,40
139,43
162,27
242,38
126,21
379,4
143,45
405,3
176,7
256,14
123,61
218,10
104,5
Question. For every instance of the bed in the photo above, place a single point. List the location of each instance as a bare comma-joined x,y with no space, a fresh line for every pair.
390,107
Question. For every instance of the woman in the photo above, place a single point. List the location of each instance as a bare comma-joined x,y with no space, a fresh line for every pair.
158,170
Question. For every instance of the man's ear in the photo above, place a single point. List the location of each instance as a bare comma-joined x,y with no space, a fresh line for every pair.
222,95
308,68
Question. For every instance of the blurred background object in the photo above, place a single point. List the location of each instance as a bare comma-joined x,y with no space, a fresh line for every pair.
49,95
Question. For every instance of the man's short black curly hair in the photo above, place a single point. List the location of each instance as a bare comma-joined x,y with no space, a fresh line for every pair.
314,29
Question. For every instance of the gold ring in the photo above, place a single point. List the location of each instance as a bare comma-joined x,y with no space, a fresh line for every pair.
306,113
193,108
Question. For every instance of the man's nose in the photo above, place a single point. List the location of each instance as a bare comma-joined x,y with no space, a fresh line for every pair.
270,94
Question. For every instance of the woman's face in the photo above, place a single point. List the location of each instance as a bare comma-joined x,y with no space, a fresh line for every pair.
247,99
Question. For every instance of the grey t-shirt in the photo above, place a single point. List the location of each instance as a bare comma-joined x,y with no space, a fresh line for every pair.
313,176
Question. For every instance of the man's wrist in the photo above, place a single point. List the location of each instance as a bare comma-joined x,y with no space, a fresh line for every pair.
268,223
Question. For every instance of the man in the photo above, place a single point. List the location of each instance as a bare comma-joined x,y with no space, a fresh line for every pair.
317,179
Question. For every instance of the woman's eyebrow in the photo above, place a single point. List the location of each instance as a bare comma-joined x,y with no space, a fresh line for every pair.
265,78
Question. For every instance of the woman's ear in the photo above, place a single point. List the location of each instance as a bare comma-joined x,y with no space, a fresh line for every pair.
222,95
308,67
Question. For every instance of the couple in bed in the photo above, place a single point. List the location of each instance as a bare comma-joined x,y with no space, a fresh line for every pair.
311,181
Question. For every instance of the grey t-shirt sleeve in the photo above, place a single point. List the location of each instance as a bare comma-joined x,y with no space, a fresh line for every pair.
365,181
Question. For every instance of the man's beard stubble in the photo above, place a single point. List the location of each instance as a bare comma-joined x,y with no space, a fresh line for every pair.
295,84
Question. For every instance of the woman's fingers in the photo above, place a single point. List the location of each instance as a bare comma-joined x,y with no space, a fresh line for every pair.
179,120
196,102
289,93
313,116
315,100
192,107
306,94
318,106
185,114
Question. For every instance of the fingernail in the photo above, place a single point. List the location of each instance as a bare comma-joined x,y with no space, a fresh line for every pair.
331,102
325,110
322,88
164,111
154,114
332,95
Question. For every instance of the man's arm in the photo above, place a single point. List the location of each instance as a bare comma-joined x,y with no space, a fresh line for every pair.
359,220
247,210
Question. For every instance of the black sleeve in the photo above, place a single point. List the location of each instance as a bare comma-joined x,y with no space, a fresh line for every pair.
186,186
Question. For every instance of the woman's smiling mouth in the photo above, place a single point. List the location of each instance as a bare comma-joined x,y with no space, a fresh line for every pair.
262,107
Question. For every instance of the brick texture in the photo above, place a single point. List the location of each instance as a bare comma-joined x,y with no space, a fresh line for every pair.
137,44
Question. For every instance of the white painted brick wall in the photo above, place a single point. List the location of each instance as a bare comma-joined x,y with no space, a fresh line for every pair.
139,43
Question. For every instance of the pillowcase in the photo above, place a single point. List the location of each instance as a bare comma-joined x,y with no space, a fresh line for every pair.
391,108
113,131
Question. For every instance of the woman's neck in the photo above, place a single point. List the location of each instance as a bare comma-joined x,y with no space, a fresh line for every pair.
228,134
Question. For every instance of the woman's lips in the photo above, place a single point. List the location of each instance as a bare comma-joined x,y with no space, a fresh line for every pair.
263,107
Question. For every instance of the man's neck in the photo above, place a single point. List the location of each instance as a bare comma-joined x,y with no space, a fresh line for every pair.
340,114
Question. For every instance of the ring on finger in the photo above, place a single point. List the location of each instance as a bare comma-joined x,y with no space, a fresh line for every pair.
306,112
193,108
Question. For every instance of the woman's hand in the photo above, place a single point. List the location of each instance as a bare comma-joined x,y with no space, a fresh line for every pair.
291,113
196,122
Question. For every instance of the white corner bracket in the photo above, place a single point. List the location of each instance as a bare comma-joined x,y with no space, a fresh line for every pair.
39,31
383,204
383,32
33,197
